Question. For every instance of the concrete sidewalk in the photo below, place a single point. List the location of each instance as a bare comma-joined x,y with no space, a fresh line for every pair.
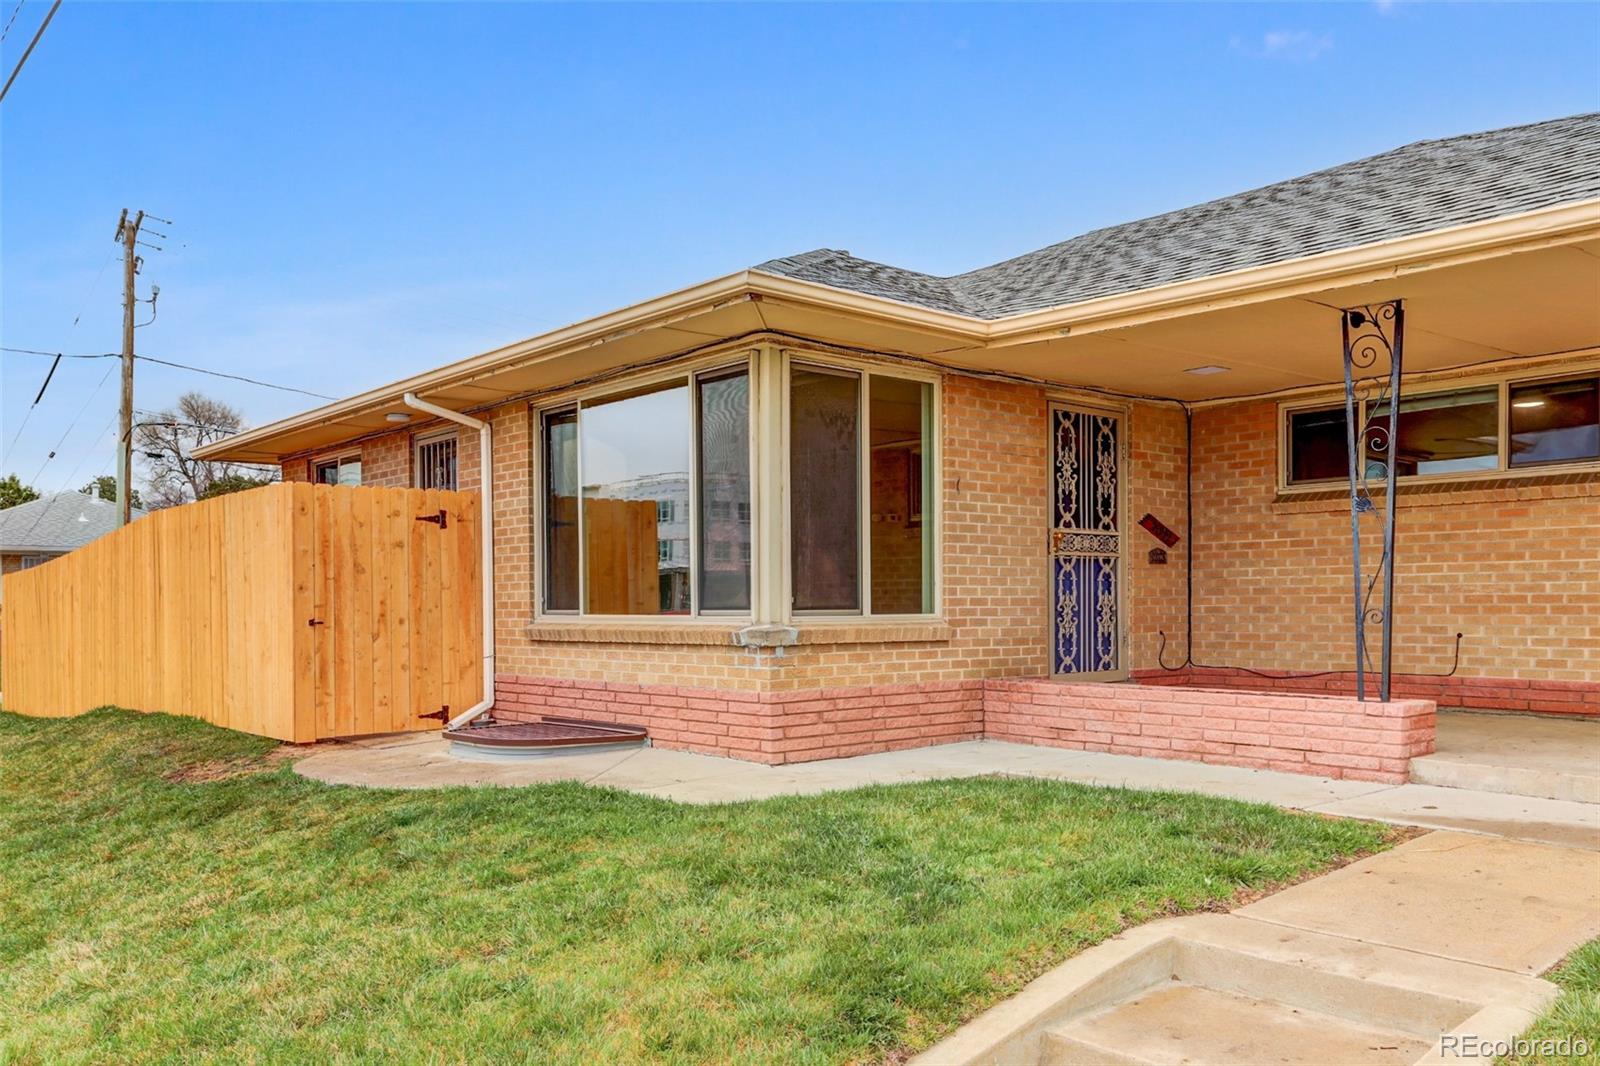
424,761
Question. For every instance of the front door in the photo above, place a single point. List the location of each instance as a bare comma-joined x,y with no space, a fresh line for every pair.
1086,543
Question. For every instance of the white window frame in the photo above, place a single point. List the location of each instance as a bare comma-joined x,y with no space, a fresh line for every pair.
422,440
335,461
688,374
31,561
932,503
1502,383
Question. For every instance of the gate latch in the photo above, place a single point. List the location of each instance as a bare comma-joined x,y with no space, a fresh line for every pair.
443,713
442,520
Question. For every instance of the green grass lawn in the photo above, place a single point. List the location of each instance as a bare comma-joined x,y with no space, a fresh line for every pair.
150,913
1576,1015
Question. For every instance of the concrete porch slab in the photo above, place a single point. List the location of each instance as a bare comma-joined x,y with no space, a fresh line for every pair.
1520,754
1500,903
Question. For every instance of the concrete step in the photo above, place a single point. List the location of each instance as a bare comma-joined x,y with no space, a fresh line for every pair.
1485,774
1226,989
1178,1022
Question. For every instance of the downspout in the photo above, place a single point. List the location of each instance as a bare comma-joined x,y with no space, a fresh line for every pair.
485,482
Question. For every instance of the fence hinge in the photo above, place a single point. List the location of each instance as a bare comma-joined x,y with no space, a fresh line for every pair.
443,714
441,519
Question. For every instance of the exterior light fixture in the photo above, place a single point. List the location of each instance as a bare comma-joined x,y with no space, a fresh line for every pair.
397,417
1202,371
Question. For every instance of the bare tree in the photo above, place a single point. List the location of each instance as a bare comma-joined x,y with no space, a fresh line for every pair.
167,440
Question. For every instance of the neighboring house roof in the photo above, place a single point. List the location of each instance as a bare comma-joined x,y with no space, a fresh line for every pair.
57,523
1426,186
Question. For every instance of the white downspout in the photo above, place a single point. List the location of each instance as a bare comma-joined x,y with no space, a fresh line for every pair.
486,498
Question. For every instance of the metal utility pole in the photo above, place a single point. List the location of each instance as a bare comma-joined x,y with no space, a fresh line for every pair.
128,234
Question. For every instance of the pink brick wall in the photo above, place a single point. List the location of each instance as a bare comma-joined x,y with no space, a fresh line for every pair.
767,727
1324,735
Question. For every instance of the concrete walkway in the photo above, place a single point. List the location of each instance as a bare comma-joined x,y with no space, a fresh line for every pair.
1403,957
424,761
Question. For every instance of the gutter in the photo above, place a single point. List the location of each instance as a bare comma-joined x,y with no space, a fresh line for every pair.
486,545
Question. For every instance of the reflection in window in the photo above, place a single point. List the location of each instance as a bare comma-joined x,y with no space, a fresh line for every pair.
1555,421
824,493
1319,449
636,502
724,446
899,415
561,511
1443,433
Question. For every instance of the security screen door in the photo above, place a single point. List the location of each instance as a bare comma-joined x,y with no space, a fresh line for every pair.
1086,543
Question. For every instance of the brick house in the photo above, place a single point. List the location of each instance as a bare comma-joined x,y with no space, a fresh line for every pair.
911,505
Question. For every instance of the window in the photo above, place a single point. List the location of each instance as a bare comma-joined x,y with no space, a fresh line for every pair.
1555,421
722,409
1485,428
1442,432
345,470
561,511
436,461
645,464
31,561
835,461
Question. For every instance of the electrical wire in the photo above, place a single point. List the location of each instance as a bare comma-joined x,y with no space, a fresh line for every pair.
10,21
29,50
178,366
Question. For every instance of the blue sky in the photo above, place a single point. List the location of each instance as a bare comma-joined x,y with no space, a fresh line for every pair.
363,191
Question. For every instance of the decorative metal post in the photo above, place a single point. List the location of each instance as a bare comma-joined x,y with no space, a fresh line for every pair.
1371,334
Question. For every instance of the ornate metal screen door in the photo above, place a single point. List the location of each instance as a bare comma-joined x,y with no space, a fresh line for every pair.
1086,543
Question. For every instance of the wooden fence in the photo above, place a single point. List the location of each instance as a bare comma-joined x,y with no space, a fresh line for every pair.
293,611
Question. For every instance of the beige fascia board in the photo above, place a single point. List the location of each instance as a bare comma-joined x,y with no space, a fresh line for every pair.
656,312
1383,260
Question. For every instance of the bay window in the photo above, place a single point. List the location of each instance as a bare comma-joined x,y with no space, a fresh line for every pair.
648,502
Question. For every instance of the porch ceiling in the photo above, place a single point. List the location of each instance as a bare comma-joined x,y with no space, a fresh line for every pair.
1534,303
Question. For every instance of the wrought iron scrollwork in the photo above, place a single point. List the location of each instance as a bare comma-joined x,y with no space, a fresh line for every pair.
1373,343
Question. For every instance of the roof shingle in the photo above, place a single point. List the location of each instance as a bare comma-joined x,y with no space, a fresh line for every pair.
1430,185
59,522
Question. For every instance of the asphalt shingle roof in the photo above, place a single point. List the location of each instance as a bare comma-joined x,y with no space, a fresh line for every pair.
1422,187
59,522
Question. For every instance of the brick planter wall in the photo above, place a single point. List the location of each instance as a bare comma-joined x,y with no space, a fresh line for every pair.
1329,736
1483,693
1325,735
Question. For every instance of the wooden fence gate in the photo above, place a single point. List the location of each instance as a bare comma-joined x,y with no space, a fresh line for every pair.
293,611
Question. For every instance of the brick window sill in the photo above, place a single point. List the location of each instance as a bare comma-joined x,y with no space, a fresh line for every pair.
1502,484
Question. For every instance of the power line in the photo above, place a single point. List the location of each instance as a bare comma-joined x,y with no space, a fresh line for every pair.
235,377
74,423
178,366
14,13
29,50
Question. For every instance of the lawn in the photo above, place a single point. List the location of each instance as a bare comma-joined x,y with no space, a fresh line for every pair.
171,890
1575,1016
